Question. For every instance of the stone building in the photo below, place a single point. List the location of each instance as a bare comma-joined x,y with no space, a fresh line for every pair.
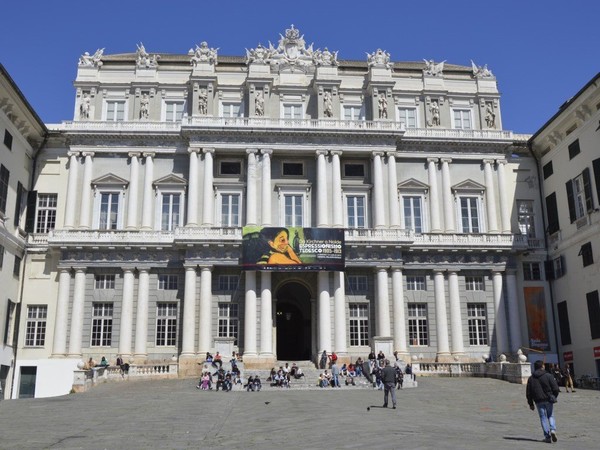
171,158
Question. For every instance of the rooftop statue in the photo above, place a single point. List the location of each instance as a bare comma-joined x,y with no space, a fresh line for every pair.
91,60
379,58
291,51
325,58
258,55
481,72
433,69
203,53
144,59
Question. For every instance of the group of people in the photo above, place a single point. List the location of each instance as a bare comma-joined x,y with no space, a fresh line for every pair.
91,363
225,379
283,376
563,377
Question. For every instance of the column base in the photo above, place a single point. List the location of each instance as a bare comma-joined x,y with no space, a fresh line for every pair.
256,361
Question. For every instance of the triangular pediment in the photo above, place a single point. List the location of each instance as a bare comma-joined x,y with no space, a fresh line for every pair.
468,185
170,180
413,184
110,179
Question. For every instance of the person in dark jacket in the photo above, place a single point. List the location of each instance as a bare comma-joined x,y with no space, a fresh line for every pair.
542,391
388,376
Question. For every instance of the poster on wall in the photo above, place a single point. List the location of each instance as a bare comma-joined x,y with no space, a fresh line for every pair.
537,325
292,249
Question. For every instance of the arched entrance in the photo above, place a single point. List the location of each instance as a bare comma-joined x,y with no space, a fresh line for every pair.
293,322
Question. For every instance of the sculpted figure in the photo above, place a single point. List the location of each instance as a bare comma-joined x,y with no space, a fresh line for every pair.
327,104
481,72
490,115
144,59
84,107
382,106
144,108
259,104
203,102
433,69
91,60
258,55
379,58
435,113
204,53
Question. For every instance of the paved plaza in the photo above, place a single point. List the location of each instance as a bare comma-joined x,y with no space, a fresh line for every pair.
441,413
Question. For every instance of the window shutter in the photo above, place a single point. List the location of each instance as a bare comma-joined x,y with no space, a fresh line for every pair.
587,188
563,321
596,165
31,206
594,313
18,204
571,200
549,269
552,212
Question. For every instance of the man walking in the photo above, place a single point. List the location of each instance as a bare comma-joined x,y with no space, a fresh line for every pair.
542,390
389,383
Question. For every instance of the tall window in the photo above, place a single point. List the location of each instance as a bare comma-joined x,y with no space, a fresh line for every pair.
478,333
232,109
104,281
17,266
469,214
526,220
355,208
4,176
474,284
531,271
293,210
563,322
8,139
230,209
115,111
292,111
418,334
408,116
354,112
167,282
228,282
35,332
462,119
586,253
166,324
109,210
413,213
171,211
415,283
102,323
1,255
46,213
359,324
358,283
229,321
579,195
593,304
174,111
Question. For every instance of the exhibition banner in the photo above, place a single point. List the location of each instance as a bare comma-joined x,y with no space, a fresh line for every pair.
535,307
292,249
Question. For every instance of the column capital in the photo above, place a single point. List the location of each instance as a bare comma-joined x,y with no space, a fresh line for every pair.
397,269
72,153
488,161
194,150
134,154
446,160
336,152
266,151
321,153
252,151
381,268
204,268
208,150
90,154
190,266
501,162
80,269
439,271
453,271
376,153
149,154
432,160
128,269
391,154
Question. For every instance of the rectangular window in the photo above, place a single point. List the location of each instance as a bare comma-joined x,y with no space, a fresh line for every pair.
228,321
8,139
586,254
474,284
167,282
594,313
354,112
20,204
102,323
8,324
4,176
469,214
1,256
171,211
232,110
563,322
17,267
413,213
532,271
462,119
115,111
35,332
526,218
292,111
230,168
166,324
109,210
574,149
230,210
358,283
359,324
46,213
354,170
478,333
174,111
418,333
228,282
103,281
293,210
548,169
408,116
355,208
415,283
579,195
293,169
552,213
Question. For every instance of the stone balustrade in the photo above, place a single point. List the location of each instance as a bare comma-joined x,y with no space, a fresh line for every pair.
511,372
83,380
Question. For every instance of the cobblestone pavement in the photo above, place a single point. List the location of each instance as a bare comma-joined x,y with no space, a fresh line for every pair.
442,413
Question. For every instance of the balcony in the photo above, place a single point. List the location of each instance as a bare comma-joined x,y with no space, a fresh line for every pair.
470,241
445,134
112,238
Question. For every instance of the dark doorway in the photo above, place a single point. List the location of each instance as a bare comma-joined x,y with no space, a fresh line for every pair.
27,383
293,323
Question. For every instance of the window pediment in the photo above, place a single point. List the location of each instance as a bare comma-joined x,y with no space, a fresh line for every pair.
413,185
170,180
110,179
468,186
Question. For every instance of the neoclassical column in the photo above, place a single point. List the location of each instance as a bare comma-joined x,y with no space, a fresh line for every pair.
126,331
250,315
501,335
441,317
393,206
134,180
490,197
141,323
339,313
504,201
336,189
192,207
59,347
77,313
205,334
267,189
322,219
399,316
251,199
383,303
72,188
450,226
378,197
189,312
514,318
148,194
324,331
266,315
208,205
458,348
434,195
86,190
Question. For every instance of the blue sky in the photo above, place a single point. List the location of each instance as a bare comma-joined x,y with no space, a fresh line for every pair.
542,52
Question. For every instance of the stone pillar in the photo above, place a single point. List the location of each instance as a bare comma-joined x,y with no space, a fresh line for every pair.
505,203
378,200
339,308
450,226
250,315
458,348
501,335
251,212
399,316
192,207
189,312
393,191
209,197
267,189
205,335
441,318
86,190
514,318
324,312
77,314
134,180
141,323
490,197
148,194
126,331
72,188
322,218
383,303
336,181
266,315
434,195
59,347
